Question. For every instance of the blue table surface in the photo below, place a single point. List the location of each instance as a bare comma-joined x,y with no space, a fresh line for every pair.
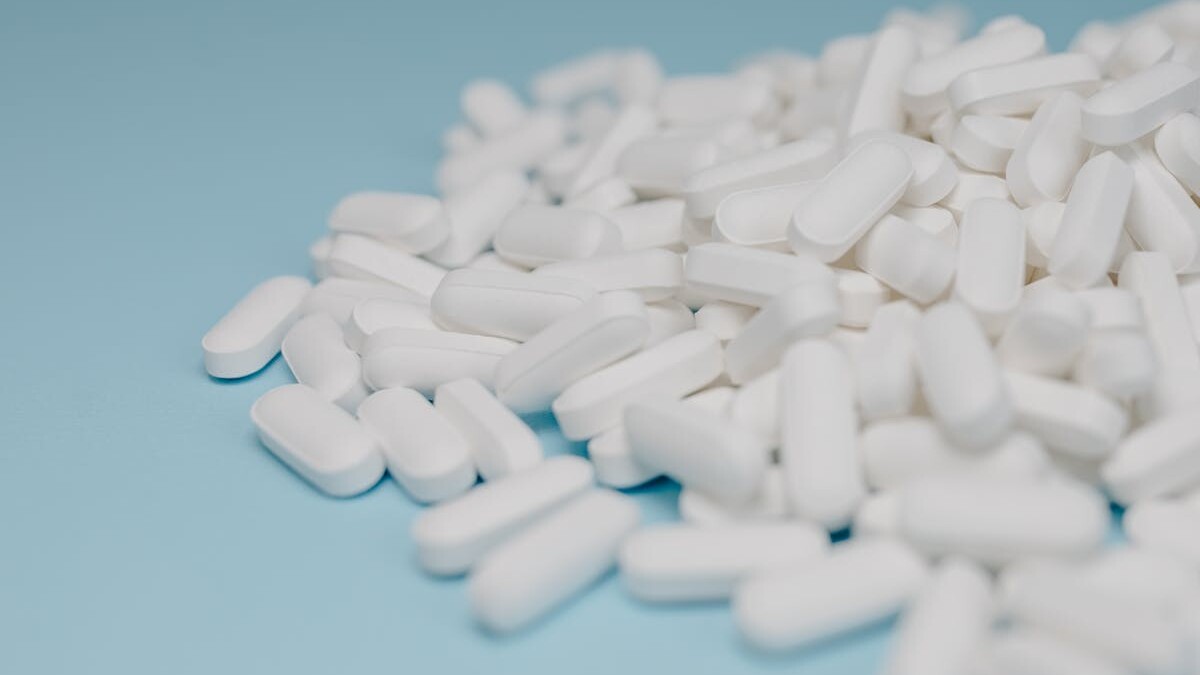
158,159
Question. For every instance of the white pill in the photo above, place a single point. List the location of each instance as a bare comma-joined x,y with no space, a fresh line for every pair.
671,369
819,435
990,276
491,106
249,335
1158,459
357,257
849,200
756,406
415,223
770,504
650,224
659,166
860,296
1119,364
632,123
318,253
318,440
861,583
424,359
1140,574
1049,152
534,235
810,111
501,443
759,217
1141,48
697,449
1140,103
972,187
805,310
638,77
424,452
885,375
453,535
1113,308
874,99
925,84
1097,39
933,219
338,297
1167,527
605,195
907,258
749,276
517,149
1068,418
1161,217
1150,277
934,172
1041,227
375,314
877,516
941,129
1019,88
961,378
905,449
724,319
704,99
505,304
1178,146
680,563
794,162
1173,390
841,59
1045,334
986,142
655,273
1024,651
475,213
575,78
317,355
667,318
603,330
552,560
998,520
947,622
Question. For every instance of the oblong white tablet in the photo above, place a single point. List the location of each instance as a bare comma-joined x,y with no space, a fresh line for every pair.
424,453
804,310
317,355
534,235
885,366
450,537
769,505
491,106
1140,103
1046,334
697,449
355,256
1178,146
318,440
1118,363
551,560
1142,47
793,162
849,200
1158,459
667,318
631,123
475,213
510,305
748,276
990,276
704,99
947,622
659,166
1073,420
657,223
972,187
518,148
655,273
1019,88
961,378
986,142
1161,217
907,258
415,223
372,315
934,172
338,297
1149,276
249,336
724,319
501,443
424,359
820,433
680,563
1049,152
873,102
606,328
860,583
1025,650
1167,527
759,217
997,520
935,220
671,369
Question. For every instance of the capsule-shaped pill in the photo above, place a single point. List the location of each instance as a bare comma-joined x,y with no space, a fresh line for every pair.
1148,275
1161,216
317,355
805,310
1068,418
355,256
1049,152
249,336
1019,88
501,443
947,622
1159,459
934,172
654,273
990,276
491,106
425,359
475,213
1178,146
794,162
1140,103
415,223
874,100
748,276
759,217
510,305
534,235
1166,527
907,258
986,142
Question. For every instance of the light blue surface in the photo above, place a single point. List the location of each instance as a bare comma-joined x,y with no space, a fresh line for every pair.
158,159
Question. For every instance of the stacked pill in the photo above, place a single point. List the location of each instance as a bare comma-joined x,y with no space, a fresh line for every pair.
939,291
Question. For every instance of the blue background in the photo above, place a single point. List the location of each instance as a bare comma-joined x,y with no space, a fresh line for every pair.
158,159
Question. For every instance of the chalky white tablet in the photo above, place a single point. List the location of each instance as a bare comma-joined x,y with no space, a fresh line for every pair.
724,319
632,123
667,318
375,314
415,223
517,149
1161,216
972,187
861,583
638,77
1142,47
805,310
1026,650
748,276
501,443
671,369
655,273
1120,364
475,213
769,504
491,106
990,276
453,535
798,161
358,257
659,166
606,328
933,219
338,297
424,452
860,296
680,563
1019,88
534,235
650,224
759,217
1158,459
249,335
934,172
423,359
1049,153
1139,104
946,624
318,253
1113,308
318,440
697,449
575,78
1046,334
552,560
755,405
986,142
702,99
961,378
511,305
1178,146
1149,276
885,363
1167,527
1068,418
997,520
849,200
317,355
1141,574
819,435
873,102
841,58
907,258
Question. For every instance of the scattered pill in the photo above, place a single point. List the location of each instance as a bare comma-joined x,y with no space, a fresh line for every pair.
250,335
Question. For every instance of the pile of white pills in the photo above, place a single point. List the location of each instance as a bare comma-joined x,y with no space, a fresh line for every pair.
943,291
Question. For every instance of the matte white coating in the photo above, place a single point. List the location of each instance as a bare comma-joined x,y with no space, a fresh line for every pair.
475,213
501,443
910,260
415,223
759,217
945,624
986,142
425,359
1120,364
724,319
1161,216
748,276
655,273
358,257
1148,275
934,172
658,166
935,220
971,187
1166,527
873,102
650,224
885,367
1068,418
372,315
1046,334
1049,152
517,149
703,99
805,310
1142,47
793,162
1139,104
249,335
1019,88
860,296
338,297
770,504
317,355
510,305
990,276
631,123
491,106
535,234
1158,459
1024,651
1178,146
